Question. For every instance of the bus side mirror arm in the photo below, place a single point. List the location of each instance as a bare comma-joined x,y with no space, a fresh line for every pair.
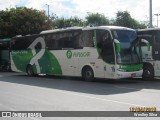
117,46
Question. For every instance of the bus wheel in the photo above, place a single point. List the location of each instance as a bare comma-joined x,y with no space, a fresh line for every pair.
87,74
30,71
148,72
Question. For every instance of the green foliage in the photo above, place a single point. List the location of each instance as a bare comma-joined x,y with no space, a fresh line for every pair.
97,19
125,19
22,21
73,21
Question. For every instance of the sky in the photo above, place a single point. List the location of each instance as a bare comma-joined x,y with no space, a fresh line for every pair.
138,9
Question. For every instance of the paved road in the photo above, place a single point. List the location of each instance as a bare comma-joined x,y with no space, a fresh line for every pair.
19,92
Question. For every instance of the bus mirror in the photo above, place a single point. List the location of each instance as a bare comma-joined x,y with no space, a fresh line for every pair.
117,46
147,43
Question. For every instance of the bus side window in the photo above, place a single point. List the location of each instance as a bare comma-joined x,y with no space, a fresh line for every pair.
65,40
20,43
100,41
87,37
49,39
77,40
105,46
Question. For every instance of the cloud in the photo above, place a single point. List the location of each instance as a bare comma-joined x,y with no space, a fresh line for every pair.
8,4
139,9
110,7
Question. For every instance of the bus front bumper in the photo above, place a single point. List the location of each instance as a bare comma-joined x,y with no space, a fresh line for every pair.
134,74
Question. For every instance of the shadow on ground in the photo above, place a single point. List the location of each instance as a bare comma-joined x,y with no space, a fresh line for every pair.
99,86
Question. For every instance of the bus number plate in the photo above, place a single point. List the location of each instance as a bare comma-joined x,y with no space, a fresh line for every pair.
133,75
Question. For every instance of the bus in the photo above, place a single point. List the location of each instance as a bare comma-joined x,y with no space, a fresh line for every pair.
5,54
90,52
151,54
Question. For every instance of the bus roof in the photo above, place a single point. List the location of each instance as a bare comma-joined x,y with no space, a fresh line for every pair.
62,29
148,29
85,28
108,27
76,28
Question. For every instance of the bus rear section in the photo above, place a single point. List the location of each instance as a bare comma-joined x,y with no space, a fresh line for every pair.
5,54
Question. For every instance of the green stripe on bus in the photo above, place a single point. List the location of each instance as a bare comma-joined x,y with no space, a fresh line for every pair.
130,68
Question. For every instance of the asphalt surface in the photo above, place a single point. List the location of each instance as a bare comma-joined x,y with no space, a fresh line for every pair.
19,92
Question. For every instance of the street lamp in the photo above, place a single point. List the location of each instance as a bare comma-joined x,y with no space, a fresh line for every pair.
157,18
150,13
48,11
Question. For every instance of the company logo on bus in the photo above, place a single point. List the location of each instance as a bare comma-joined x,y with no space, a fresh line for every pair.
71,54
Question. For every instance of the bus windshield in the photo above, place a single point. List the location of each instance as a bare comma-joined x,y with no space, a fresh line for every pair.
129,50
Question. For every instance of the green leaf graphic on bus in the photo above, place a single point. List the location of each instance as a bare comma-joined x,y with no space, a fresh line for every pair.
21,59
41,59
48,63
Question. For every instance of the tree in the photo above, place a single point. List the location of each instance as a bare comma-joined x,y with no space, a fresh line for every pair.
22,21
125,19
62,22
96,19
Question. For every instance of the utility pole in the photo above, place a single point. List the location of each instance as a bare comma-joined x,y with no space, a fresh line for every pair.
48,11
150,13
157,18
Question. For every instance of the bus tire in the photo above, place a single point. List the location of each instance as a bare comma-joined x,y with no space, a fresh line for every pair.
29,70
88,74
148,72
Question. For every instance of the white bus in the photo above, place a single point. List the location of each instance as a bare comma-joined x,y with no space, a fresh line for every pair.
151,54
91,52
